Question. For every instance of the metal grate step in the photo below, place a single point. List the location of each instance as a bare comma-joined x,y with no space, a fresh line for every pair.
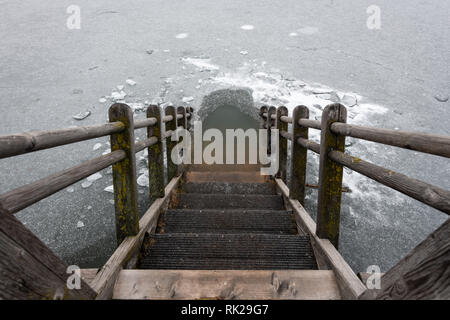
227,251
229,188
229,221
230,201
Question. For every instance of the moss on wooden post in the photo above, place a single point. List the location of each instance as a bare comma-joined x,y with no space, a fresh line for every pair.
172,168
282,142
330,176
124,174
298,159
155,156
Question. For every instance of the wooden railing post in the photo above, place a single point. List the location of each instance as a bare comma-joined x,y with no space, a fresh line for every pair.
298,156
263,120
190,111
270,123
155,155
330,176
282,143
124,174
172,168
182,123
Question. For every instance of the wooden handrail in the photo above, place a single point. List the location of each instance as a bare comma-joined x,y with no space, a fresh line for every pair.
286,135
427,143
431,195
286,119
310,145
313,124
149,122
17,144
145,144
21,198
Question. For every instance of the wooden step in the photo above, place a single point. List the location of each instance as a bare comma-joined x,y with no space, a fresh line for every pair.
226,176
228,221
228,201
208,251
229,188
226,284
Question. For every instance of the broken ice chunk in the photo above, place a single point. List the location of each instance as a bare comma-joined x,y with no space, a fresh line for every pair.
244,53
118,95
143,180
102,100
181,36
94,177
70,189
106,152
80,224
120,87
349,101
187,99
131,82
247,27
82,115
109,189
97,146
86,184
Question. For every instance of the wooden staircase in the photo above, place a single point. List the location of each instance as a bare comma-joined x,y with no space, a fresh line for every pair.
226,238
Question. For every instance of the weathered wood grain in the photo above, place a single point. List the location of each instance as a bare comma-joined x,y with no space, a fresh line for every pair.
151,121
16,144
171,142
282,143
330,176
226,284
269,125
298,156
22,197
30,270
182,124
155,156
428,143
431,195
124,174
313,124
423,274
104,281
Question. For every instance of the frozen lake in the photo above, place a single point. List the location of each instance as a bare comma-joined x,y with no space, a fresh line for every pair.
287,52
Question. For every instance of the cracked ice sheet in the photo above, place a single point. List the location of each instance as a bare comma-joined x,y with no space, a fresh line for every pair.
272,88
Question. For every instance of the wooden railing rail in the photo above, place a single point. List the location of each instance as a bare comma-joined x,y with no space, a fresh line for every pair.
20,198
17,144
332,158
426,143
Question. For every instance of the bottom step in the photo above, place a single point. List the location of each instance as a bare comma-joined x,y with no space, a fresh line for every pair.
226,284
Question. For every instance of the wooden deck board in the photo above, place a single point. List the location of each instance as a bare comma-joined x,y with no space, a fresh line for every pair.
226,284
